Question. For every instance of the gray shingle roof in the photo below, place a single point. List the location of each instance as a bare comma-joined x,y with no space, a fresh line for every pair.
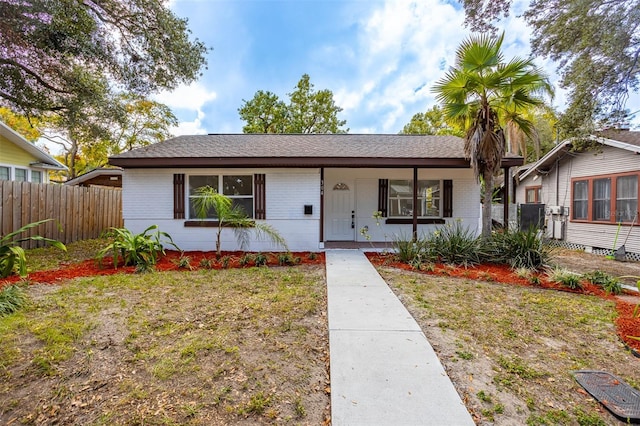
302,150
305,146
626,136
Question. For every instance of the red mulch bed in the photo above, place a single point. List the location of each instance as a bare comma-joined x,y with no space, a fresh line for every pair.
626,324
168,262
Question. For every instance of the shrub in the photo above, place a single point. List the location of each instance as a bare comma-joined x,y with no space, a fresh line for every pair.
519,249
184,262
140,250
286,259
206,263
13,257
566,278
260,259
245,259
609,283
12,298
457,245
412,252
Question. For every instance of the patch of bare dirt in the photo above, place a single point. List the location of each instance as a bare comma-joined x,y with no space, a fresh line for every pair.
581,262
510,349
209,347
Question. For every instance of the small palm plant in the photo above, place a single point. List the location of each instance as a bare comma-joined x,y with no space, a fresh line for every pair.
141,250
233,216
13,257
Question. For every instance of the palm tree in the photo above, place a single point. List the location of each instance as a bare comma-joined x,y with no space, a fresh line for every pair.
479,92
228,215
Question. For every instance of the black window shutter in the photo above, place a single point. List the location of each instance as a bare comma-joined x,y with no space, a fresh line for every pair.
259,196
447,198
383,196
178,196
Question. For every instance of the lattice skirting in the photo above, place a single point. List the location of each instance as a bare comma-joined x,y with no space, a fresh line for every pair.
594,250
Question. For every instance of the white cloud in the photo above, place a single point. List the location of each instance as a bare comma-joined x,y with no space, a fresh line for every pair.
192,97
402,46
188,99
403,49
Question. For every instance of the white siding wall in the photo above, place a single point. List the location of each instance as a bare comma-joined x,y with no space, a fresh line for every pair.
609,161
148,200
466,199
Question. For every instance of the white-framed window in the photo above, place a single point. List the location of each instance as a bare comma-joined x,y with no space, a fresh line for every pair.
401,198
5,173
237,187
20,175
36,176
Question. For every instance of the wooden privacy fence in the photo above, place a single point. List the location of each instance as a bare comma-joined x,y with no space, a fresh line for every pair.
79,213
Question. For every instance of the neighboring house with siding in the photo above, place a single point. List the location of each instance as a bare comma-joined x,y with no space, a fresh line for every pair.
20,160
316,190
587,193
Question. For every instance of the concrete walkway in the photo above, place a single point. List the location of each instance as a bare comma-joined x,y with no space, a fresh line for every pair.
383,369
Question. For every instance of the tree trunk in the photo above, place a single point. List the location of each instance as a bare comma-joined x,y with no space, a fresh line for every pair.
218,252
486,204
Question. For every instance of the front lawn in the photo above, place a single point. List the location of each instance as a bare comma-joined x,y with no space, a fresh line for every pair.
510,350
203,347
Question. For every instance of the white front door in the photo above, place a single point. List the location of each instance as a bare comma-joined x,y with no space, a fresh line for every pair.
340,212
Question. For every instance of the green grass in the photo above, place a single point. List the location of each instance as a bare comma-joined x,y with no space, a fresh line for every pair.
43,259
530,338
187,347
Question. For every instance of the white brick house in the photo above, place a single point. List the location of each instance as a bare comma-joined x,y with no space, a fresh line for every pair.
314,189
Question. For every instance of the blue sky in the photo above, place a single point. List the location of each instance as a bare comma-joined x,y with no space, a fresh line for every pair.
380,58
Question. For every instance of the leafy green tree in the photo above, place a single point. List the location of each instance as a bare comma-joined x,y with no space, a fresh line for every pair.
234,216
312,111
27,127
90,132
265,113
480,91
308,111
596,44
56,52
432,122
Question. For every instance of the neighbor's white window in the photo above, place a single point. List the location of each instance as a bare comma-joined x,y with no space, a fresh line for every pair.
20,175
401,198
237,187
5,173
626,198
36,176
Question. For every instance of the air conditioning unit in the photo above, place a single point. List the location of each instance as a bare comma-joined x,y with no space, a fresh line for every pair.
555,209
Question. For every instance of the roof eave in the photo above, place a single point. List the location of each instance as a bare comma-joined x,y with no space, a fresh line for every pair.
287,162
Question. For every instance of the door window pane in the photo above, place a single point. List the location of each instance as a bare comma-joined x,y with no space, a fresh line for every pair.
580,199
626,198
